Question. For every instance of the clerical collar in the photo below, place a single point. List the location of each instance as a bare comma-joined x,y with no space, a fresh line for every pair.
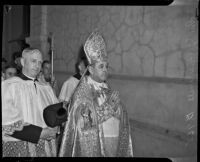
77,76
25,77
96,84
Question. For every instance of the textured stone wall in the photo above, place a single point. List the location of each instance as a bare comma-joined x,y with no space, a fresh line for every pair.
144,43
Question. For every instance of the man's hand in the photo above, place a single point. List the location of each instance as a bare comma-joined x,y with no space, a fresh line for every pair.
52,78
65,104
40,78
48,133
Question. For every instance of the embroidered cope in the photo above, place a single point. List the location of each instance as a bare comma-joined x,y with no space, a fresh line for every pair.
96,128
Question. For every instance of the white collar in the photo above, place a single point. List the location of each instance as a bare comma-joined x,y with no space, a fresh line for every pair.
29,77
96,84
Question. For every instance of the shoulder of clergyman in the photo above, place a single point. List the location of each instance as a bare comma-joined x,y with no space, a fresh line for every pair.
83,90
14,79
12,82
82,95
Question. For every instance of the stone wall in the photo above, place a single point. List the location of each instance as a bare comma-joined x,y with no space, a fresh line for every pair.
152,55
153,40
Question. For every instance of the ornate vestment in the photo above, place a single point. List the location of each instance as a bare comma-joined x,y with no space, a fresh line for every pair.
94,127
23,102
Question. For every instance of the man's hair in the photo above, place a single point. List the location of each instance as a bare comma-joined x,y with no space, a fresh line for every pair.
45,62
10,66
29,50
81,58
85,62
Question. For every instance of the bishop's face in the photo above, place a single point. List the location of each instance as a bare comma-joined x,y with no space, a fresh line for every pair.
99,71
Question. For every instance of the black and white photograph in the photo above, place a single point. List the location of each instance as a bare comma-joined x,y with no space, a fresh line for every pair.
100,80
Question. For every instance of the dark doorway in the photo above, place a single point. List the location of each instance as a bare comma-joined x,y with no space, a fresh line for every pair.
16,27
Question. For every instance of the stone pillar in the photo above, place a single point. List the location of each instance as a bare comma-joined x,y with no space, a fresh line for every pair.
38,30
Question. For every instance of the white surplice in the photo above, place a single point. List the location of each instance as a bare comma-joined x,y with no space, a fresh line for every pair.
23,102
68,89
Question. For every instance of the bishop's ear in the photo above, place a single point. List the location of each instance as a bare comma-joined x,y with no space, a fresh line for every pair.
90,69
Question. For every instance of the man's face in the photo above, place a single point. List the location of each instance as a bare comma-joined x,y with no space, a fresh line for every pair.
32,64
99,71
47,70
18,62
10,72
82,67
